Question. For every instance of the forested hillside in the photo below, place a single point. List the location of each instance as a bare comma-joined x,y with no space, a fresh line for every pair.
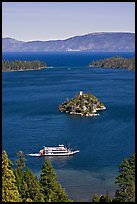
21,65
115,62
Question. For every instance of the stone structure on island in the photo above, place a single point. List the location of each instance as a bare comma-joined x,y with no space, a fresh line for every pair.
84,104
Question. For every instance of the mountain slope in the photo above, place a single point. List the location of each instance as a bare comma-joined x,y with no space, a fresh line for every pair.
10,44
106,41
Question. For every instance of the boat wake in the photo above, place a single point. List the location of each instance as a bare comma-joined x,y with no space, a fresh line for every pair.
34,155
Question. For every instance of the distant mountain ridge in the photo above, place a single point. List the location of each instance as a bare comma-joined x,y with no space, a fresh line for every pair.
94,42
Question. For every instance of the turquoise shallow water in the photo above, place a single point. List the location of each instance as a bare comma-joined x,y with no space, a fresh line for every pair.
30,119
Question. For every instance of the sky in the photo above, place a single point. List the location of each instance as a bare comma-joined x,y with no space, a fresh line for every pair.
27,21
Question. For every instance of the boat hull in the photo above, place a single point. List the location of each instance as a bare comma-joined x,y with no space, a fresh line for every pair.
54,154
64,154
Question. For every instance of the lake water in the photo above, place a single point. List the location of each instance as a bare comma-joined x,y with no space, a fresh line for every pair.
30,119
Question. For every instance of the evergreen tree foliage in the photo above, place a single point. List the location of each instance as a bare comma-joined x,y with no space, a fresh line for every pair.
105,198
96,198
34,188
61,196
51,189
126,181
102,198
84,105
21,161
28,200
115,62
9,189
17,65
108,198
28,185
21,184
19,174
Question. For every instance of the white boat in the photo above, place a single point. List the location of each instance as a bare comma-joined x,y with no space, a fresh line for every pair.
60,150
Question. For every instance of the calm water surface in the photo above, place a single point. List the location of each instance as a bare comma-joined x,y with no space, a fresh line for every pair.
30,119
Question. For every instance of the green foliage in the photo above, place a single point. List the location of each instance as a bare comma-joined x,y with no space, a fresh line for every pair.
20,185
17,65
105,198
95,198
102,198
21,161
9,189
34,188
115,62
28,200
51,189
28,184
83,104
126,180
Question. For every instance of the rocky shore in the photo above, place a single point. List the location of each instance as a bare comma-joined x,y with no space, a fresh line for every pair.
83,104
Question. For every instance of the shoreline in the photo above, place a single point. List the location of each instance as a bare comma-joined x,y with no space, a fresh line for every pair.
21,70
87,114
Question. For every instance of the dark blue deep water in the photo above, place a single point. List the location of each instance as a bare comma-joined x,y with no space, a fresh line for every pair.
30,118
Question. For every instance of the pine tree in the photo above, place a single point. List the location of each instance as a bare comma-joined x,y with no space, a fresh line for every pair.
126,180
105,198
28,185
21,184
102,198
19,174
61,196
48,181
95,198
34,188
51,189
9,189
21,161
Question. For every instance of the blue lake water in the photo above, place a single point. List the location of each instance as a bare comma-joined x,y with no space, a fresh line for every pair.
30,118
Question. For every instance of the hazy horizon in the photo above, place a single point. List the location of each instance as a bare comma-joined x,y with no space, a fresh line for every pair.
68,37
44,21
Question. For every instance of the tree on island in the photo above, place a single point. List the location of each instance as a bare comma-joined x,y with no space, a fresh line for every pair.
115,62
17,65
84,104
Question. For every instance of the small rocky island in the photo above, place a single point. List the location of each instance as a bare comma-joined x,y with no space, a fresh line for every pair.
22,65
84,104
115,62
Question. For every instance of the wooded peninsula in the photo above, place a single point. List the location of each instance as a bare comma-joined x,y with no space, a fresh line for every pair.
22,65
115,62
